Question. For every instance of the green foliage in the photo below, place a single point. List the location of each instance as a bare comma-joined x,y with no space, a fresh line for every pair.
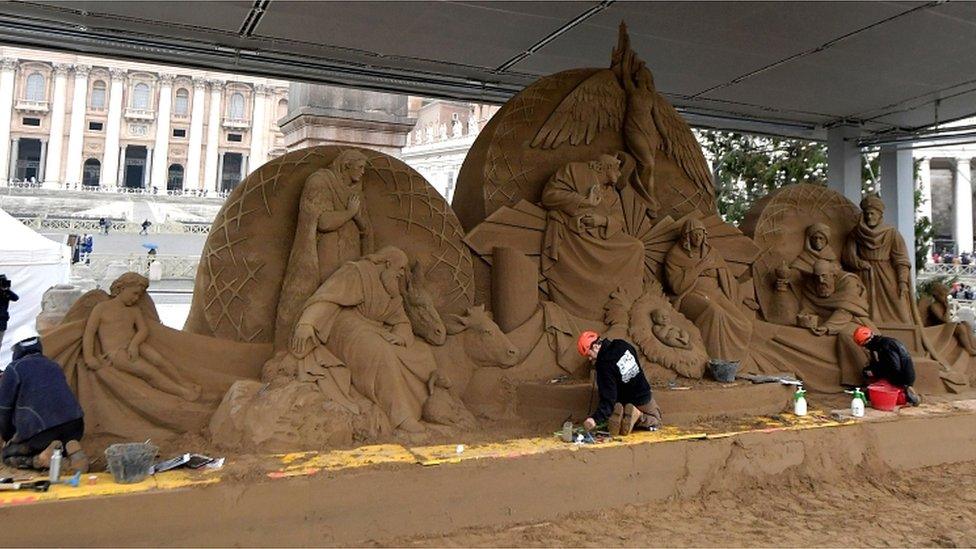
924,287
747,167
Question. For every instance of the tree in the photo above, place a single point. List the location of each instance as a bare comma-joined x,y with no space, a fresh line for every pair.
747,167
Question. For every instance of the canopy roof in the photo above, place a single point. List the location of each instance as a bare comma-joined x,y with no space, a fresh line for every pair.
791,68
21,245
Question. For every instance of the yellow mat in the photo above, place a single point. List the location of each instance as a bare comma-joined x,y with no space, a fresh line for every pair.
309,463
105,485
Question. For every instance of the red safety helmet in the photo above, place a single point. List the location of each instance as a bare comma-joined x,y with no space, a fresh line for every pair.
585,340
862,334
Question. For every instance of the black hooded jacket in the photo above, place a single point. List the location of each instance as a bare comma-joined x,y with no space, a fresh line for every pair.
619,378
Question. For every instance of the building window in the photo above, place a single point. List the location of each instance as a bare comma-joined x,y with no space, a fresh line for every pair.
182,106
235,137
179,132
35,87
175,180
98,95
36,122
92,172
140,96
96,126
282,109
237,106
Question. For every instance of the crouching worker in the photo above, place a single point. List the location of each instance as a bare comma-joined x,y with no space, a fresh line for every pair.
890,361
39,415
626,401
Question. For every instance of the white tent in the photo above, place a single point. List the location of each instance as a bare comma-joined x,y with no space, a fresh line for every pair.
33,264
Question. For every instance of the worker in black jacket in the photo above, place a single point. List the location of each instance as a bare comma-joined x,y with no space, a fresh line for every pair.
626,401
890,361
39,415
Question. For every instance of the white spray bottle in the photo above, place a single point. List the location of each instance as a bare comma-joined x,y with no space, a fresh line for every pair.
800,401
857,403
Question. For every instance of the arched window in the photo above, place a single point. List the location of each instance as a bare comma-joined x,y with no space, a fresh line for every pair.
98,95
237,106
35,87
175,180
282,108
182,105
92,173
140,96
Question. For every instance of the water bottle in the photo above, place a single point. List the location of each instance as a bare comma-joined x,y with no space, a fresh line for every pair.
568,431
55,471
857,403
800,402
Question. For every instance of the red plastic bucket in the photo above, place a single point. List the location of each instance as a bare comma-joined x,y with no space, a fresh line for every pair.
884,396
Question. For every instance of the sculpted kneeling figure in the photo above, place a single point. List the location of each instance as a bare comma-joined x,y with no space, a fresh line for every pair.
356,319
831,300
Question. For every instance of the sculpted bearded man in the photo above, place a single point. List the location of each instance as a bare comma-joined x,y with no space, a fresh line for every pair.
586,253
707,293
332,229
833,302
879,255
358,316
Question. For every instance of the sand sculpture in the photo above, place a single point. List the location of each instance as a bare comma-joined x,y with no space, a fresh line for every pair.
134,377
585,203
878,254
934,311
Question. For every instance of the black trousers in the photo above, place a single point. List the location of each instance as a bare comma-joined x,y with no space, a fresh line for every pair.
21,454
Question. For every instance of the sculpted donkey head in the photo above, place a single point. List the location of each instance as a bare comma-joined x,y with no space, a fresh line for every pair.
418,303
482,339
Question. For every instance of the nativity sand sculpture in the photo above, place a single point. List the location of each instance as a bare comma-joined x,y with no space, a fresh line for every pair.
585,203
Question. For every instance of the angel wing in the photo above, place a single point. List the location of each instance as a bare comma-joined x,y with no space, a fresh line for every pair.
82,308
680,144
596,104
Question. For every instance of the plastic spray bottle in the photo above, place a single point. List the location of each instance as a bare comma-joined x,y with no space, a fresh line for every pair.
800,401
857,403
55,468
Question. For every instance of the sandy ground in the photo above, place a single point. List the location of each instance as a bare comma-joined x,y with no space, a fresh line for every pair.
926,507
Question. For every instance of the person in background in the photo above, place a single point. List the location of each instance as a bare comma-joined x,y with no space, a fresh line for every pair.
39,415
145,227
890,361
6,296
626,401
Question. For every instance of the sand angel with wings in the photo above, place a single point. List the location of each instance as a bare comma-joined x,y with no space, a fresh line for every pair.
624,96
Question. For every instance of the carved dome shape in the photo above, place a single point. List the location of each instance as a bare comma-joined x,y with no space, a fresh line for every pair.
778,223
243,263
511,159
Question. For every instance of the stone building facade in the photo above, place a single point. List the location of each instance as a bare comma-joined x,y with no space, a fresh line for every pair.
73,121
945,174
440,140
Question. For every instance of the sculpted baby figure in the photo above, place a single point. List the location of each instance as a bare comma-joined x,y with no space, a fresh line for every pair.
119,327
672,336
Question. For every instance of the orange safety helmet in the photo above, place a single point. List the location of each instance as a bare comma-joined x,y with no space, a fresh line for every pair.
585,340
862,334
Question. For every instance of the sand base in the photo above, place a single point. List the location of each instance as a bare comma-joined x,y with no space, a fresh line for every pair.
380,504
556,402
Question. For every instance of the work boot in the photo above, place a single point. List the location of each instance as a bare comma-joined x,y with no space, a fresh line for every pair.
631,416
43,460
911,396
77,459
613,424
